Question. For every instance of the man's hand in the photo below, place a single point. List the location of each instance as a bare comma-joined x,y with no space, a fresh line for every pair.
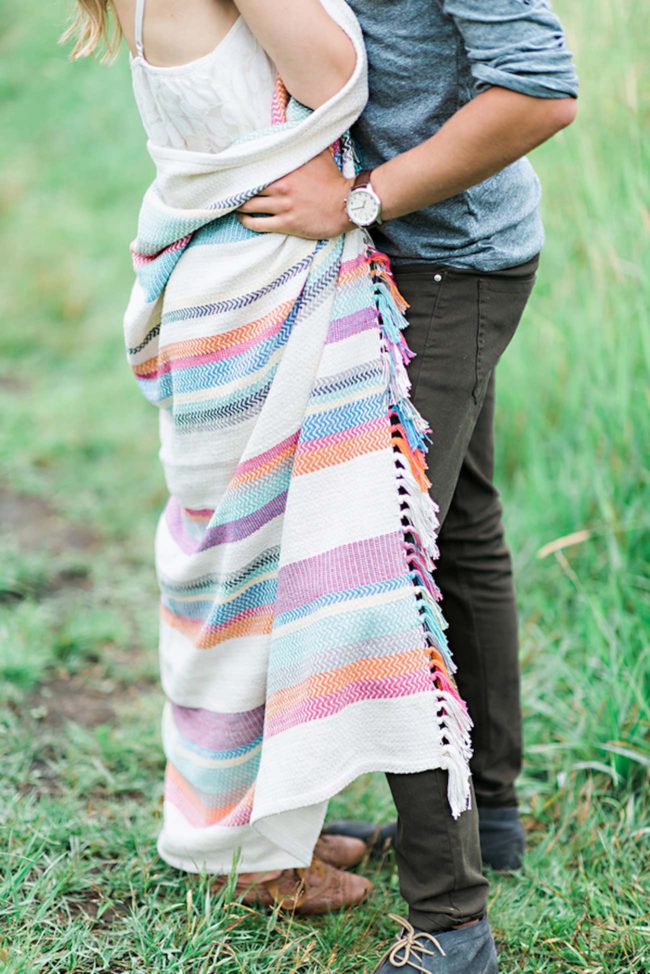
309,202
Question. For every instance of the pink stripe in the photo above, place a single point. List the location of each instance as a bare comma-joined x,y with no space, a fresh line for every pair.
174,519
352,264
240,816
219,356
451,688
307,446
196,816
261,458
140,260
350,566
317,708
354,324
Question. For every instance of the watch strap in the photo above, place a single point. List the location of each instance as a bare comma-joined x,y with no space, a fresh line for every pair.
362,180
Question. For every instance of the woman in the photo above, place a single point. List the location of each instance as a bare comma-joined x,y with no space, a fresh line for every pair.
301,639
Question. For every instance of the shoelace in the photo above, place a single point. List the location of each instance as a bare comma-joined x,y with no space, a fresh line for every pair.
411,942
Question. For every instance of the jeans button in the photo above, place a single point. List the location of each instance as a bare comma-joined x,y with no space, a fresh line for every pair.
437,278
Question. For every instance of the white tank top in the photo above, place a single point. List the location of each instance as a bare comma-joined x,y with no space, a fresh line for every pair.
209,103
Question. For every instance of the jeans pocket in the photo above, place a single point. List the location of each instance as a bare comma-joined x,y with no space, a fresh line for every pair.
501,303
421,288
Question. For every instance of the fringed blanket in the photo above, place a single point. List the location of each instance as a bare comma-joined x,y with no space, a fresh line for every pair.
301,639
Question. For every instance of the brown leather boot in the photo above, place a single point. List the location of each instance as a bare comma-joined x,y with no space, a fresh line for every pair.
315,889
341,851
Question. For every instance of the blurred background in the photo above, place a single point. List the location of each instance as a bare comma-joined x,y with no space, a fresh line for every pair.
81,887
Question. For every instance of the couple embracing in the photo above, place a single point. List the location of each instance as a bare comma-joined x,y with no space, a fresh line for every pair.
336,591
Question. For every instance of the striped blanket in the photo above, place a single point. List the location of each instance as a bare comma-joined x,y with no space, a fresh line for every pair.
302,642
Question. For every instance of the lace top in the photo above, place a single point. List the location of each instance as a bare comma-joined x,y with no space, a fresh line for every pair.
206,104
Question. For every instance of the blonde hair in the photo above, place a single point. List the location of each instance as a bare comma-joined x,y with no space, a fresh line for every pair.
93,25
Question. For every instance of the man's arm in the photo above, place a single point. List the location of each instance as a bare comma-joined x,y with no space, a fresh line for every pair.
491,131
527,87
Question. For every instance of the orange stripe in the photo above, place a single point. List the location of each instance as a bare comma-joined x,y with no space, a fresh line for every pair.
206,638
264,468
348,277
439,662
215,343
417,467
328,456
323,684
211,815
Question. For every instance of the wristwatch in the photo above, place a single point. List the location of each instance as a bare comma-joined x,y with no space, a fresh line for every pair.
363,206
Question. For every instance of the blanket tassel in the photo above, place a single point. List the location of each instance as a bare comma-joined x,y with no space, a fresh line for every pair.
410,435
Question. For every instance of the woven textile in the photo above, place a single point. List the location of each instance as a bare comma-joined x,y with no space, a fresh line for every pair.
302,642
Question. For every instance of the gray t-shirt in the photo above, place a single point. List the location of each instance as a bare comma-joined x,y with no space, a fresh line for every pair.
427,58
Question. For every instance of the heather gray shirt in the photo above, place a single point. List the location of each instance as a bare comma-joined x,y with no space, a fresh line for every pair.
427,58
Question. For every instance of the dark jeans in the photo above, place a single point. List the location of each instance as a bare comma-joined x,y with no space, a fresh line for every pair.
460,323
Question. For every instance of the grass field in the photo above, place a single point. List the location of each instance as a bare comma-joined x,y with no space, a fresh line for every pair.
81,887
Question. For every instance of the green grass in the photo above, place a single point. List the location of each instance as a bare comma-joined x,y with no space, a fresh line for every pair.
81,887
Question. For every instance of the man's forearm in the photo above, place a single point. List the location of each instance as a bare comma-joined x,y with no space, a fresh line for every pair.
490,132
485,135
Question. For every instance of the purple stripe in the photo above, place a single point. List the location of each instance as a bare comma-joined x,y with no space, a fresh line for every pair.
174,519
244,526
352,324
216,731
340,569
221,533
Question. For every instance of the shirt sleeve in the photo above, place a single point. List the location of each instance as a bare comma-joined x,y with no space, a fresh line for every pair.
516,44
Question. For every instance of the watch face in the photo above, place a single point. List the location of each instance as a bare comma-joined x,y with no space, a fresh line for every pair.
363,207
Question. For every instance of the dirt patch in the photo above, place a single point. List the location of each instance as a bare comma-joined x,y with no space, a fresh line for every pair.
43,774
13,383
76,578
35,524
76,698
31,524
88,698
94,908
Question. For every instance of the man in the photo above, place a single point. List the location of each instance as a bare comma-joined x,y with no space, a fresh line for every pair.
460,91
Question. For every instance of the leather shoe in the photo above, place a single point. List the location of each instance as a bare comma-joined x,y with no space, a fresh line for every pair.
318,888
342,851
377,838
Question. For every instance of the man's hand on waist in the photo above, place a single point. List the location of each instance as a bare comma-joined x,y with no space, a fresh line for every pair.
309,202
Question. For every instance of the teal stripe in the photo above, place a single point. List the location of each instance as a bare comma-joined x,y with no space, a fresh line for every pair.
216,781
219,755
226,230
248,498
352,626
